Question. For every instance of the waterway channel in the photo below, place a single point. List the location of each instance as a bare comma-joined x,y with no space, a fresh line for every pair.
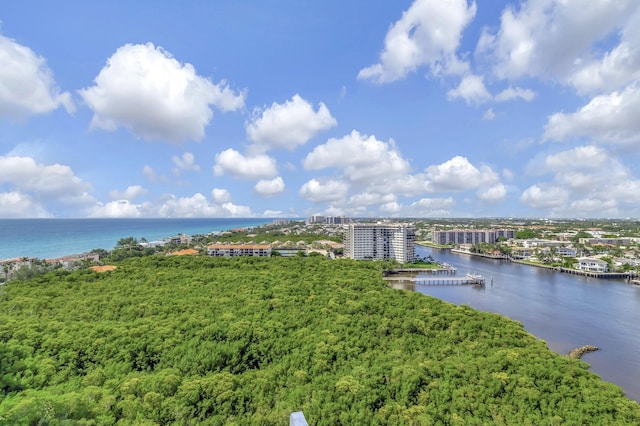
566,311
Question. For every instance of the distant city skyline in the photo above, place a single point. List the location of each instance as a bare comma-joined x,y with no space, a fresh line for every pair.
425,108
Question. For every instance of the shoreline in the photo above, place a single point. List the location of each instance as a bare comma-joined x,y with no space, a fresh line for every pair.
590,274
46,239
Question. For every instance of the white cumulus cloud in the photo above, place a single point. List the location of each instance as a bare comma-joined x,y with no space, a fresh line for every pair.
545,196
558,40
269,188
220,195
234,164
27,85
194,206
489,115
434,203
471,89
364,199
49,181
17,205
391,207
288,125
318,191
132,192
118,209
494,193
236,210
611,119
185,163
585,177
427,34
458,174
511,93
144,89
360,157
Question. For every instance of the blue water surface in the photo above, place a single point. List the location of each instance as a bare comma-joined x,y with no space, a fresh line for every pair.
51,238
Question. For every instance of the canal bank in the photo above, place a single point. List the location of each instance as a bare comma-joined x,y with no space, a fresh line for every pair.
627,276
567,311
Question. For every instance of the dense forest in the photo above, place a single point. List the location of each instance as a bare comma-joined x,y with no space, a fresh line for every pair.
198,340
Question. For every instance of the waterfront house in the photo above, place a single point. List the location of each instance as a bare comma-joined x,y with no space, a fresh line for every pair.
592,265
567,251
521,253
620,262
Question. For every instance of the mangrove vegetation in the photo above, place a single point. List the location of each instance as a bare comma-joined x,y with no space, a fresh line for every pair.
214,341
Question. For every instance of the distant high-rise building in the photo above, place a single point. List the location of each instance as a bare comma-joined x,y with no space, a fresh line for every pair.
380,241
315,219
326,220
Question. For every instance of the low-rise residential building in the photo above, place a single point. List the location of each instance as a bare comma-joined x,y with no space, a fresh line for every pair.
566,251
236,250
521,253
620,262
542,243
289,252
593,265
74,259
611,241
181,239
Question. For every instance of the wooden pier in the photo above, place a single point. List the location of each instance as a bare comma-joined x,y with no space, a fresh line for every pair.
593,274
469,279
431,271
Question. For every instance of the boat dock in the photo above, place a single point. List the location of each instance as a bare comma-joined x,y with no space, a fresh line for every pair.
469,279
449,270
594,274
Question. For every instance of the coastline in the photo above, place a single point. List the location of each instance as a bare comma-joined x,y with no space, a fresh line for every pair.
60,238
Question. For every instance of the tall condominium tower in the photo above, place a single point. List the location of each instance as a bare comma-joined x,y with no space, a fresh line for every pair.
380,241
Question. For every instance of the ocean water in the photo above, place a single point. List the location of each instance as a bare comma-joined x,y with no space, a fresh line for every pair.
51,238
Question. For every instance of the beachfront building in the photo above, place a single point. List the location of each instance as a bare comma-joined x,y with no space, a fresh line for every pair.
521,253
236,250
181,239
380,241
469,236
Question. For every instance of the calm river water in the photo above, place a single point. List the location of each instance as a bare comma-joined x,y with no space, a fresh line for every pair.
564,310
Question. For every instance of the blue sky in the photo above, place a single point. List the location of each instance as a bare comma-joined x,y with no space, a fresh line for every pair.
430,108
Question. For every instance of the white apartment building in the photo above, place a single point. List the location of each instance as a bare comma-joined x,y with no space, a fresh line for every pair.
380,241
470,236
236,250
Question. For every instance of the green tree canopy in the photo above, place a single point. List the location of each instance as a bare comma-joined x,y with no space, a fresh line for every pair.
199,340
